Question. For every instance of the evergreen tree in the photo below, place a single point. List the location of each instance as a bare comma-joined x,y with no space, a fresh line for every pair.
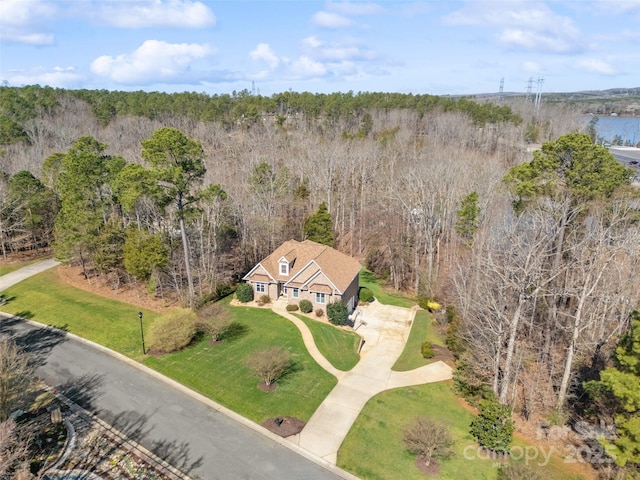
83,185
38,205
493,427
468,216
177,165
622,384
318,227
144,254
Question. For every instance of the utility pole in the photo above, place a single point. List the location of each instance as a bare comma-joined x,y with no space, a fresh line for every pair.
538,100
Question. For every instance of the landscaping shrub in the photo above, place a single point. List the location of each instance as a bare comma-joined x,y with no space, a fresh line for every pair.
428,439
426,349
222,290
338,313
244,293
429,304
493,427
270,364
306,306
452,336
265,299
319,312
213,320
365,295
173,331
292,307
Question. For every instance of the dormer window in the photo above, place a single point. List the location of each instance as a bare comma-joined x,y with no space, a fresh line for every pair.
284,268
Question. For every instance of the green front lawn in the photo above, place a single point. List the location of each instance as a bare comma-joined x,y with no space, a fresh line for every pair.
383,295
217,371
374,448
220,371
339,347
44,298
423,329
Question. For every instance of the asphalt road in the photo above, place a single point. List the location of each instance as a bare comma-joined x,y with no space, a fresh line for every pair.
191,436
625,155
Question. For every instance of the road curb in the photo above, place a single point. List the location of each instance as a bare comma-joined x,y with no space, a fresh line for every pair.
201,398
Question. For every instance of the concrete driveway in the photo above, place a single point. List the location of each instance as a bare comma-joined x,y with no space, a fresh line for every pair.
385,330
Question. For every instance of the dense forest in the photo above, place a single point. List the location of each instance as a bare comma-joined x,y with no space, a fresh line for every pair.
535,254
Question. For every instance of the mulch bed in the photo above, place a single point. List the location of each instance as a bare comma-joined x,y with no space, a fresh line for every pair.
444,354
284,426
267,388
432,469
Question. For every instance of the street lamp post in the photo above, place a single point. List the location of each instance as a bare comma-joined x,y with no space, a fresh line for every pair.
141,331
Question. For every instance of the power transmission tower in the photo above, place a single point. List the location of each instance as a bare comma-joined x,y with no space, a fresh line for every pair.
501,95
529,86
538,100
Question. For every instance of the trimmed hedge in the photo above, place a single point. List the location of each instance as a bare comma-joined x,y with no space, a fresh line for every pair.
292,307
338,313
306,306
365,295
244,293
426,349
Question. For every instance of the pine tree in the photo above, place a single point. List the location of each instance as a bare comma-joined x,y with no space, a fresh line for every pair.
468,216
318,226
622,382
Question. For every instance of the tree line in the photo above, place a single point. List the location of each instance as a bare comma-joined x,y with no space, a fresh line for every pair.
535,254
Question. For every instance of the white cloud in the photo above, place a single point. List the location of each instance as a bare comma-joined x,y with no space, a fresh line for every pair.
535,41
57,77
310,42
336,14
21,21
523,25
355,9
331,20
153,62
305,67
264,53
594,65
317,59
347,49
155,13
531,67
618,6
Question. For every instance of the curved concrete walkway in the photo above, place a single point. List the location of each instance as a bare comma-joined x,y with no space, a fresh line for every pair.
385,330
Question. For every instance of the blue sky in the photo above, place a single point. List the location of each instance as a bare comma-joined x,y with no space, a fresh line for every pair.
435,47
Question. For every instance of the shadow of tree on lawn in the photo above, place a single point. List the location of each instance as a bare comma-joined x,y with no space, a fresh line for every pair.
235,330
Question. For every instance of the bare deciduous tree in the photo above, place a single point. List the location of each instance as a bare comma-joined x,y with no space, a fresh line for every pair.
15,375
270,364
14,452
428,439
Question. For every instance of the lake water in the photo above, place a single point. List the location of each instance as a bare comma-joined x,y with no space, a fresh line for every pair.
608,127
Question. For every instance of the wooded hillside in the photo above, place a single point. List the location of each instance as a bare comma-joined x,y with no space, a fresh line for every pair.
536,254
